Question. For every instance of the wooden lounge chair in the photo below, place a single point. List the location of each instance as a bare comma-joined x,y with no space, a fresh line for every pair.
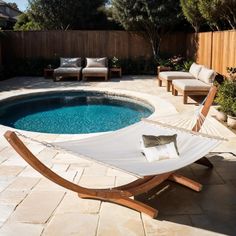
121,195
190,87
169,76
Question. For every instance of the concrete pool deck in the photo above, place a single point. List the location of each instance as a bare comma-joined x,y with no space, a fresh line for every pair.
32,205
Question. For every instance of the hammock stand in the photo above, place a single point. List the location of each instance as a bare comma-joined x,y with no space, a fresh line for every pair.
119,195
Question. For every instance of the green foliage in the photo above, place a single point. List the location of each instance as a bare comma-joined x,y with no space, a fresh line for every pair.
234,108
191,12
176,63
149,17
25,23
35,66
219,14
68,14
114,62
28,66
13,5
226,97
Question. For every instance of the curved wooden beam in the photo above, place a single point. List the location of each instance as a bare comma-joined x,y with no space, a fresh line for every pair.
209,100
198,125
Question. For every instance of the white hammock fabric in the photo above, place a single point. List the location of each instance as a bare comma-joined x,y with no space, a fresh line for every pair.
122,150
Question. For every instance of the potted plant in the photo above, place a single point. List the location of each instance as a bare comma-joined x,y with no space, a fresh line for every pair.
115,63
226,97
231,121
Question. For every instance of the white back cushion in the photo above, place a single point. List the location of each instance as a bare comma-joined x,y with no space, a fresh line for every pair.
206,75
96,62
70,62
195,69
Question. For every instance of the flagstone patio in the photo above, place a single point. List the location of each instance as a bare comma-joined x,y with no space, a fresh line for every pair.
32,205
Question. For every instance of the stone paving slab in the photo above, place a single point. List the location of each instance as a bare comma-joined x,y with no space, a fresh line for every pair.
17,229
72,224
72,203
37,207
117,220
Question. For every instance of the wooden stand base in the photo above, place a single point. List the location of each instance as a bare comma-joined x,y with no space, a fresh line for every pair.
120,195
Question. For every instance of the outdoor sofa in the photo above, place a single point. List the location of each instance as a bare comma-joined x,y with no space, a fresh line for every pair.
169,76
96,67
200,85
69,67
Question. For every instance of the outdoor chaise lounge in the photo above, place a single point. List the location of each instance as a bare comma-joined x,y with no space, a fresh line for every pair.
96,67
169,76
69,67
199,86
121,150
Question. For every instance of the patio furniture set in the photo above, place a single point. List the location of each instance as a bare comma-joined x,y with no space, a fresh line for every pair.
72,67
197,81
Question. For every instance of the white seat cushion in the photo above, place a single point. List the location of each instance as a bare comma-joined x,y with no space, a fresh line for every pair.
69,70
195,70
172,75
191,84
207,75
94,70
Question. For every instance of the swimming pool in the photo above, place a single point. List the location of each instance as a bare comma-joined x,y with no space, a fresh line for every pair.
72,112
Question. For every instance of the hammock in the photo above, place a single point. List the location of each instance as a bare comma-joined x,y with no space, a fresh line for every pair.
121,150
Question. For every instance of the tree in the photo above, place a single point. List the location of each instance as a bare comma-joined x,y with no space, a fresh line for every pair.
68,14
191,12
14,5
150,18
25,22
219,14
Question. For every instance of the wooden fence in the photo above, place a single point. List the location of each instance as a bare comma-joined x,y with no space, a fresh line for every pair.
49,44
216,50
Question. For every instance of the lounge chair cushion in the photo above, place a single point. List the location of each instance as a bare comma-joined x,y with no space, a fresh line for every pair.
69,70
93,70
195,70
70,62
191,85
206,75
161,152
172,75
96,62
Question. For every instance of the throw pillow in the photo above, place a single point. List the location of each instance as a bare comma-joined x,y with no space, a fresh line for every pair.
152,141
70,62
96,62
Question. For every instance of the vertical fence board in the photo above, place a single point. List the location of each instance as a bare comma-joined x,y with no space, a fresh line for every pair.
224,50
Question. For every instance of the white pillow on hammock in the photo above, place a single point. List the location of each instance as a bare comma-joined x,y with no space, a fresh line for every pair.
160,152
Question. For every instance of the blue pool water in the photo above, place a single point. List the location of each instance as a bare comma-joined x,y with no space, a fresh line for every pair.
71,113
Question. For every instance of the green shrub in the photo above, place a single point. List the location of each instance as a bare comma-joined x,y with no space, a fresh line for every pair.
28,66
35,66
226,97
177,63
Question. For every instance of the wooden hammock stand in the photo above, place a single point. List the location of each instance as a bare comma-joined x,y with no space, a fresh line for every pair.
120,195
